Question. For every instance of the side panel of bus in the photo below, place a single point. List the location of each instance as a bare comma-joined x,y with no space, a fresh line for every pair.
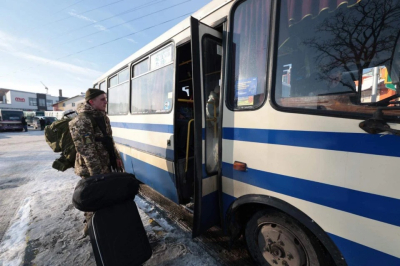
144,133
321,165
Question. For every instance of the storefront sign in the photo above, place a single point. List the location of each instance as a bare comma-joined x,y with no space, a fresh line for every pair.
17,99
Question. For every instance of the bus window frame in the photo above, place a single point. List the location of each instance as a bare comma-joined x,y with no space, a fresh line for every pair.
158,50
109,81
123,69
230,84
116,74
103,82
147,56
137,63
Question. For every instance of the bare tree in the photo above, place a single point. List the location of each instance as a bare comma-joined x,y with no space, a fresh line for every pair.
354,38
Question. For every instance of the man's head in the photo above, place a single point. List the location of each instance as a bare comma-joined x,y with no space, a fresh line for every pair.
217,89
97,99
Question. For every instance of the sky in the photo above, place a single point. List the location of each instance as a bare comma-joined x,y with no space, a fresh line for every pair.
68,44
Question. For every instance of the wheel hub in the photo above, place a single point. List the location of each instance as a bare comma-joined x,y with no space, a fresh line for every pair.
277,251
279,246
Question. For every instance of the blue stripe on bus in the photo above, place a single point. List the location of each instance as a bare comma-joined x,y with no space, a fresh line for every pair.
227,200
350,142
209,210
354,253
158,151
145,126
360,255
376,207
159,179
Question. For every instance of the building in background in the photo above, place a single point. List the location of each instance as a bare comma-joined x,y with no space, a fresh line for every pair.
69,103
27,101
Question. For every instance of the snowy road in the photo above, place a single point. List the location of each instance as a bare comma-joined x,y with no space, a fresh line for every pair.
40,226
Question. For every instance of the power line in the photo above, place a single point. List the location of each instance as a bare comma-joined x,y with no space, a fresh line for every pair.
125,22
67,7
125,12
101,7
122,37
59,12
52,14
53,22
90,48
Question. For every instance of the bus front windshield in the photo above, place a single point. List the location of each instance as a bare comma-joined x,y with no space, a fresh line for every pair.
11,115
341,56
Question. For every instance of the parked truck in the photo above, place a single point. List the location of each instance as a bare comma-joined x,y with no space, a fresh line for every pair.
11,120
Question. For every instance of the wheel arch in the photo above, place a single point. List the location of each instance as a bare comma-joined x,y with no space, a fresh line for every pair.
244,207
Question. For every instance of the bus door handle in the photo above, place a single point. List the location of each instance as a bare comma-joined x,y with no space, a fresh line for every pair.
239,166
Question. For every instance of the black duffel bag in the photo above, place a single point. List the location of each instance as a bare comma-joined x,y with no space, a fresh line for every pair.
100,191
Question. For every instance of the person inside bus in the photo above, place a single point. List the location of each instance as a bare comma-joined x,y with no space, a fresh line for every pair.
212,112
212,106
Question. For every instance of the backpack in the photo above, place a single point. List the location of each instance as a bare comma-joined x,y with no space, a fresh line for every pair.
59,138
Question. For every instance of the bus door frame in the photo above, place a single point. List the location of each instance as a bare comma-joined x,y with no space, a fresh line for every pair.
207,209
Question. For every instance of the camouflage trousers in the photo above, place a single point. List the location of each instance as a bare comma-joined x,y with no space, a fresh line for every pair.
88,216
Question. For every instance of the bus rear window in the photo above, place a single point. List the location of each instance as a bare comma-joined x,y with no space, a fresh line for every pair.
338,55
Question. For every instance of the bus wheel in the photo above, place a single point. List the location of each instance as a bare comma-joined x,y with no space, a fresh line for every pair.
274,238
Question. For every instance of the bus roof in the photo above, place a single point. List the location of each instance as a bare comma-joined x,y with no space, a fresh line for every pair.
183,25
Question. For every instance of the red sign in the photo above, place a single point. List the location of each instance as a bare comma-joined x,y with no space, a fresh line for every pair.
17,99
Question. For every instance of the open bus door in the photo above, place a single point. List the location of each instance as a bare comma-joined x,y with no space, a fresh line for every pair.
206,78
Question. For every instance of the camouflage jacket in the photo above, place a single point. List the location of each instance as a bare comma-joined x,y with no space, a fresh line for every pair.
91,156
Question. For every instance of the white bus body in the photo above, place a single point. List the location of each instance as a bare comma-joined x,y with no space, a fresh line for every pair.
300,150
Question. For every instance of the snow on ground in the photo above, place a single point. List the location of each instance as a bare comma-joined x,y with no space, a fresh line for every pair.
40,226
13,247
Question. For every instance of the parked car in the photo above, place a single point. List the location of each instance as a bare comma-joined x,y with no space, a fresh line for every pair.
48,119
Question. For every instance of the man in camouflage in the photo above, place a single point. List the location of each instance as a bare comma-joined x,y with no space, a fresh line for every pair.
93,157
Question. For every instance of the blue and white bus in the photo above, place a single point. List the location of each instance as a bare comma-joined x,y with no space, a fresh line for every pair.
278,119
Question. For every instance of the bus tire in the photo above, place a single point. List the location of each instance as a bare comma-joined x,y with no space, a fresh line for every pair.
274,238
